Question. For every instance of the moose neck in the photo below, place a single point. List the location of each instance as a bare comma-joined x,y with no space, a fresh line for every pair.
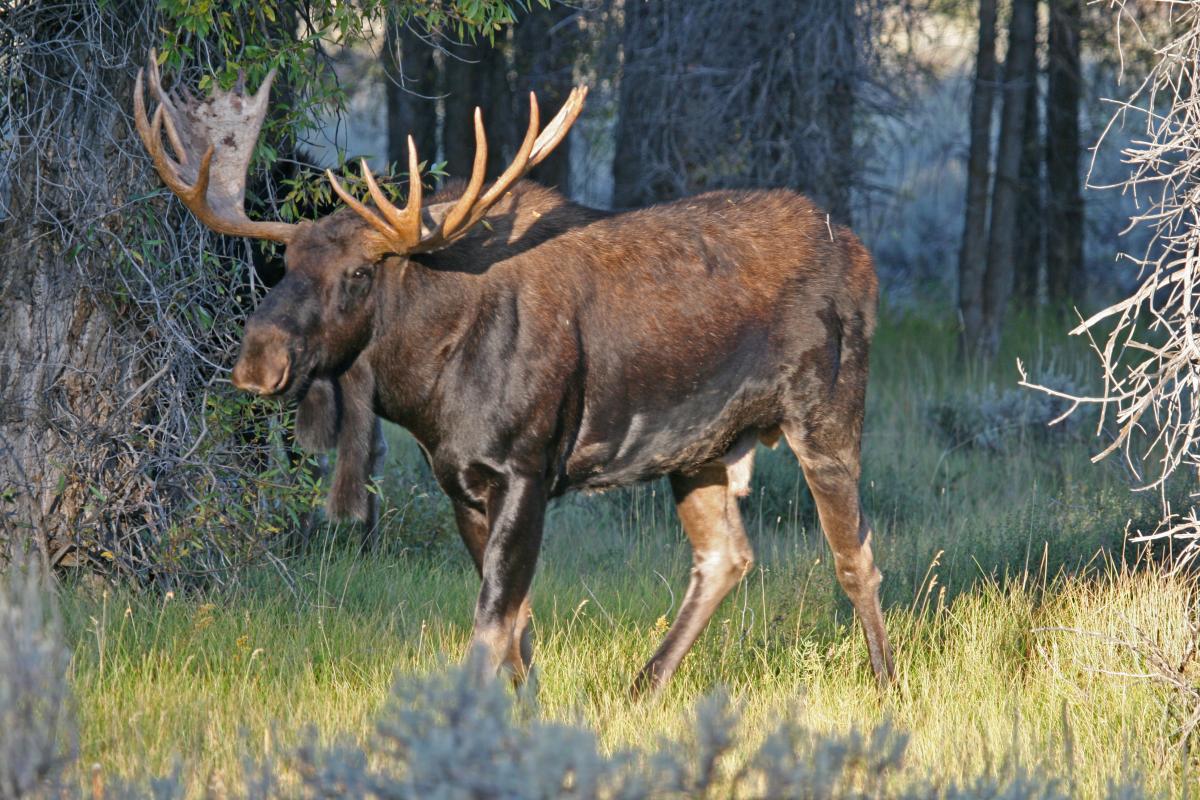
428,304
422,314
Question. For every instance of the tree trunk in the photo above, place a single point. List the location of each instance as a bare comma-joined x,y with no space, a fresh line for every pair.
121,444
410,83
839,169
631,186
68,412
1031,208
972,255
696,113
1065,276
1003,234
476,76
544,49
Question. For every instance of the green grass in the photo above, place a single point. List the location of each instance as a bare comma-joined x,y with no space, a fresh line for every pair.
1007,590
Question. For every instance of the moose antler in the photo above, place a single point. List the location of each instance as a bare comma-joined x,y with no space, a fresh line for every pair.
213,141
401,231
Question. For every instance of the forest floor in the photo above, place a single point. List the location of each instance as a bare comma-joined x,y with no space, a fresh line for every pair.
1019,612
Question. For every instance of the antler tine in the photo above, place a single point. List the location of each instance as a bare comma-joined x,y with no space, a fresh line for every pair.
151,135
520,162
406,224
462,208
478,208
264,89
401,230
162,160
165,101
370,216
412,209
557,129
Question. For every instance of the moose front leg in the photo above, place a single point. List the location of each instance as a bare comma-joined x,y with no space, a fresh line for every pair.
516,507
473,528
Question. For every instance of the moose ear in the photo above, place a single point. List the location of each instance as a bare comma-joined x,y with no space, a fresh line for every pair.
317,417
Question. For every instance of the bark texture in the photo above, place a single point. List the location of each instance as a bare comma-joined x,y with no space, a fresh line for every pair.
721,95
1003,234
410,83
477,76
537,54
66,375
121,444
545,47
1066,278
1031,206
972,256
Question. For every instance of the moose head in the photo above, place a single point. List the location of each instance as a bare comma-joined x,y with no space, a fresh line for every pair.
317,320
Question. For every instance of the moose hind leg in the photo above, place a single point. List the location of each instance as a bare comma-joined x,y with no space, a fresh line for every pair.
721,555
829,456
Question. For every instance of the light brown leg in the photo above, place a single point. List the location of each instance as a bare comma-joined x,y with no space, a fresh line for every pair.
831,468
721,555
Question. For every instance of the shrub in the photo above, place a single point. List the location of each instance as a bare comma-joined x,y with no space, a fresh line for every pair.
995,420
455,734
37,730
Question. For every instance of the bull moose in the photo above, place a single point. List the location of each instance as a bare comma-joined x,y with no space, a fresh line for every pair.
534,347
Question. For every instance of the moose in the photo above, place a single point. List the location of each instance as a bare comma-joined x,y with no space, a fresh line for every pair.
535,347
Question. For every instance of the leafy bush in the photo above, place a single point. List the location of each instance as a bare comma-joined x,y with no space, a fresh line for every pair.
994,420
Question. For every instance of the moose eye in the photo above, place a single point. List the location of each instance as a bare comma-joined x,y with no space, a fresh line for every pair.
361,274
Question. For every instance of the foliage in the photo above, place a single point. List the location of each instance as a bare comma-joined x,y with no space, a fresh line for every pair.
992,418
1147,342
124,448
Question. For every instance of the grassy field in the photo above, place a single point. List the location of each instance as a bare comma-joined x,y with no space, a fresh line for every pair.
1009,591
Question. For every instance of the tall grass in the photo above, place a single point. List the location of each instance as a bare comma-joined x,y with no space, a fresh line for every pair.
1009,595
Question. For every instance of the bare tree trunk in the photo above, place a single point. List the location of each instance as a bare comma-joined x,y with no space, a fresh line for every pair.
476,76
1066,278
1031,208
64,374
972,255
544,49
839,170
120,444
727,95
458,147
630,183
410,83
1003,234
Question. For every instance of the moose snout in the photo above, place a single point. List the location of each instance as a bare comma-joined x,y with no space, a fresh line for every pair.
264,365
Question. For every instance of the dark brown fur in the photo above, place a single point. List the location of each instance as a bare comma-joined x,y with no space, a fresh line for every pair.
334,413
561,348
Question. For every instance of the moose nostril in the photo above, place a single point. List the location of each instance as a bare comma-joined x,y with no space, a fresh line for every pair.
282,376
262,370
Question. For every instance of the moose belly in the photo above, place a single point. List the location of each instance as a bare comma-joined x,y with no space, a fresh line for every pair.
630,438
